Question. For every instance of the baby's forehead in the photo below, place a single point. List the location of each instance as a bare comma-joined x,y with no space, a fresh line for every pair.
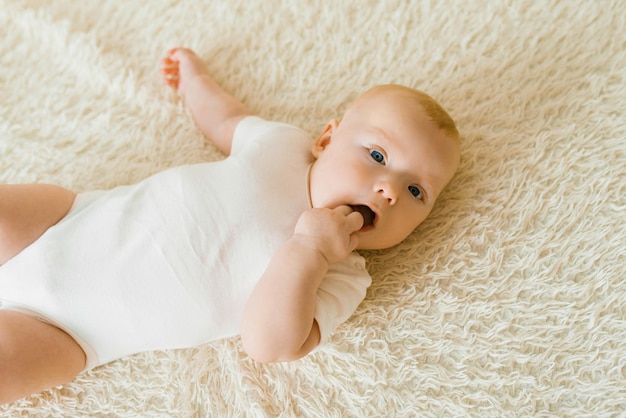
414,105
374,105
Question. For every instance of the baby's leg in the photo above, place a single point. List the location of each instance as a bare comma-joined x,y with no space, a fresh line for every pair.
34,356
215,111
26,212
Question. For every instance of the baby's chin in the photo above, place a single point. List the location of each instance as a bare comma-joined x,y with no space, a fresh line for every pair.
373,245
372,240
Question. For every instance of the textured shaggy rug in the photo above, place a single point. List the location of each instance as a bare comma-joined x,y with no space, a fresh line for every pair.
509,301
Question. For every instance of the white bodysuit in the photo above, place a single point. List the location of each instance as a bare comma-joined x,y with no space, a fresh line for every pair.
171,261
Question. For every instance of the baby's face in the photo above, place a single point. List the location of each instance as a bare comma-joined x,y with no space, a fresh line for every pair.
385,159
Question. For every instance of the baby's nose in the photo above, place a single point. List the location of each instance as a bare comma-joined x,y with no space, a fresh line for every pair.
388,190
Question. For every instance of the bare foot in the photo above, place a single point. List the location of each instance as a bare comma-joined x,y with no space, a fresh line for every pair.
180,67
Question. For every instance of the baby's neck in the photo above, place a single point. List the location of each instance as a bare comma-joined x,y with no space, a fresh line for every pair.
308,185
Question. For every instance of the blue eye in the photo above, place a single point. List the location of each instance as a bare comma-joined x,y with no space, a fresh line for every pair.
377,156
415,191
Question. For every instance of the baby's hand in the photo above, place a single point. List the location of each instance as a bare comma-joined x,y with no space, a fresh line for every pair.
180,66
330,231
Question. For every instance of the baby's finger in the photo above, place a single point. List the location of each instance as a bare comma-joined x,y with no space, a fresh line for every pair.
355,221
354,241
344,210
354,218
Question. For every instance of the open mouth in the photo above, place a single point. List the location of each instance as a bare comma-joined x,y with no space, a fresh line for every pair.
367,213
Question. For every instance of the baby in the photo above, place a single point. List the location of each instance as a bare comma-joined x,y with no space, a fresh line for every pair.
260,244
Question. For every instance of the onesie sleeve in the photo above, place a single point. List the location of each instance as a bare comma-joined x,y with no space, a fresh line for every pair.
254,128
340,293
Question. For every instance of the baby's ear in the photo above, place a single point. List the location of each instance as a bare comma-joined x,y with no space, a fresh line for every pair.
324,139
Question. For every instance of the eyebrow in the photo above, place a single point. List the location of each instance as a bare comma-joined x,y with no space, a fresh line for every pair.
380,133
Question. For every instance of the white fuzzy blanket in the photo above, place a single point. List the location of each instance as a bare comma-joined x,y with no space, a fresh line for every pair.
509,301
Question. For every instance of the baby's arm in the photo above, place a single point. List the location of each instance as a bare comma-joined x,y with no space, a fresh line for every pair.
278,323
216,112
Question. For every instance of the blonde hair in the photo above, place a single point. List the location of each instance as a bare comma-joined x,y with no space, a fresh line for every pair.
435,112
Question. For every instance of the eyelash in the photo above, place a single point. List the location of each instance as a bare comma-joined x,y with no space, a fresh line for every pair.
379,157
